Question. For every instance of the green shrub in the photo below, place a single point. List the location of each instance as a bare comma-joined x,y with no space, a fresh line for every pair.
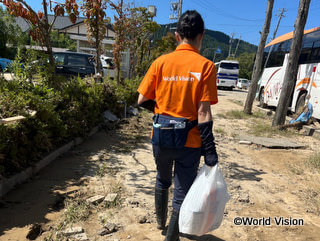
65,109
69,111
127,90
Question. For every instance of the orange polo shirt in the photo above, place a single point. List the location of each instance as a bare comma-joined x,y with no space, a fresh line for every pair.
178,82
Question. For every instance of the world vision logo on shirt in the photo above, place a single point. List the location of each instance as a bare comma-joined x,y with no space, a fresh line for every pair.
192,78
197,75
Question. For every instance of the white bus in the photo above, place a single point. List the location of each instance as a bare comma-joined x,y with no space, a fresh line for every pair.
276,55
227,74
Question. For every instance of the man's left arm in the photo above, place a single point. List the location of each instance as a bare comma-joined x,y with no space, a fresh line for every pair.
146,103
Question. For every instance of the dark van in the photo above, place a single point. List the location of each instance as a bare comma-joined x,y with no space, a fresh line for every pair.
74,64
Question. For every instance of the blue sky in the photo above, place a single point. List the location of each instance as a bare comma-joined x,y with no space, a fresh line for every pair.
241,17
244,18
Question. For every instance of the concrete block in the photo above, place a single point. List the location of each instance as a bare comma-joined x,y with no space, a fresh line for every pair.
81,237
73,231
245,142
95,199
308,131
109,116
111,198
316,134
272,142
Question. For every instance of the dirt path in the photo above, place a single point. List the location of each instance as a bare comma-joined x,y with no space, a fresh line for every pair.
262,182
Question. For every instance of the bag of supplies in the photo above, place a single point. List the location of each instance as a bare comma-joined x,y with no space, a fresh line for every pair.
203,207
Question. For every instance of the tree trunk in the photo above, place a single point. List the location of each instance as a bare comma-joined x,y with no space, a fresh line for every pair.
47,41
258,61
98,49
290,76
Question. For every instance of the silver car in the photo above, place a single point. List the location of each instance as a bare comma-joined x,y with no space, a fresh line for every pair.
243,83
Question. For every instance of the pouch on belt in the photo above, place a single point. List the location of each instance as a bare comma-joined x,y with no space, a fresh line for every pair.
171,132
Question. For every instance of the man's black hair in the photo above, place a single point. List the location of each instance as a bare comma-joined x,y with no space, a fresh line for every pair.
190,25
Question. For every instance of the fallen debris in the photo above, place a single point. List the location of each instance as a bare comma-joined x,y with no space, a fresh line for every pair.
95,199
142,219
107,229
277,143
133,111
81,237
73,231
245,142
109,116
110,198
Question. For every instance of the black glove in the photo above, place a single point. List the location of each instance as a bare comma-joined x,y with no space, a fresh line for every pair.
149,105
208,145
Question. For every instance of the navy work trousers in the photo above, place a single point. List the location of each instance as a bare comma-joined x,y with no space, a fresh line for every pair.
185,162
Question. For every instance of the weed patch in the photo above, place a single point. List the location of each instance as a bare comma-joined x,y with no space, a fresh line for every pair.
75,211
239,114
259,114
314,161
238,102
262,128
312,200
219,131
296,170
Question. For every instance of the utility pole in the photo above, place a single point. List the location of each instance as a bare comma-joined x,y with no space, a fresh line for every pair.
231,41
280,17
180,9
275,33
235,52
290,76
176,11
258,61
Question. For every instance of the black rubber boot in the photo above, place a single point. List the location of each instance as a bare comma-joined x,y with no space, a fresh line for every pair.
173,228
161,204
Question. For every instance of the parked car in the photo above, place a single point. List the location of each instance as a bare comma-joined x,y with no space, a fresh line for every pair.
243,83
4,64
74,64
107,66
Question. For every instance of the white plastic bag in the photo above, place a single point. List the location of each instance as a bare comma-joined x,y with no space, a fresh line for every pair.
203,207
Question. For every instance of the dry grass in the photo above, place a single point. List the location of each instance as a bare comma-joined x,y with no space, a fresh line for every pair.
238,102
312,200
314,161
264,128
75,211
219,131
297,170
239,114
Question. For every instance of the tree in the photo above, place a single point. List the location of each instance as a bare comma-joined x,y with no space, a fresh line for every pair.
96,22
290,76
119,27
40,26
165,45
245,65
141,28
133,29
258,61
62,40
10,33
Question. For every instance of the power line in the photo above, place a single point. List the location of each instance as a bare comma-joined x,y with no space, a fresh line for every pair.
221,12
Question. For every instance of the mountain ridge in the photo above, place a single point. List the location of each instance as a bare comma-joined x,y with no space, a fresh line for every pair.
212,40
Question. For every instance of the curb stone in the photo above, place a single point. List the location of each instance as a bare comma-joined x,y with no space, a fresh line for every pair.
7,184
